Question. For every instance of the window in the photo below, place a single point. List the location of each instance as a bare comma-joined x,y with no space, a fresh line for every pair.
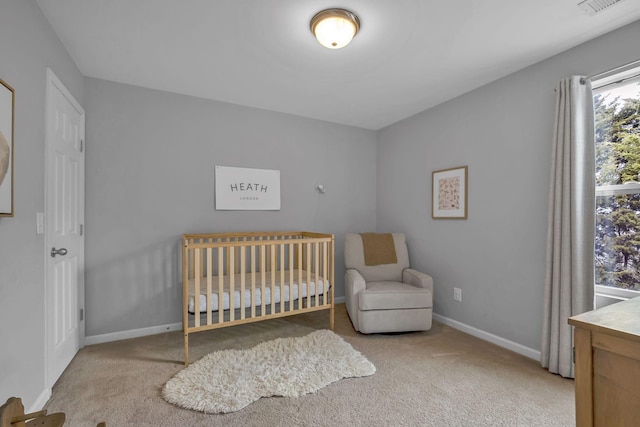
617,139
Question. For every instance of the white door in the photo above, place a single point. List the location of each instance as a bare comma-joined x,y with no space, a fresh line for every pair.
64,234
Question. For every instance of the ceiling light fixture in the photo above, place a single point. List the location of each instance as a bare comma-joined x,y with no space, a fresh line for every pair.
335,28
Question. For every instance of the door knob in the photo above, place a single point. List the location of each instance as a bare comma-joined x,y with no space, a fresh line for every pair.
61,251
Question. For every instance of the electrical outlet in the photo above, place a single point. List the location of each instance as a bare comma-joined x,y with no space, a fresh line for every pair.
457,294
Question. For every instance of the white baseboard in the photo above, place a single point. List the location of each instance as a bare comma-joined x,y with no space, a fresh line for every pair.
136,333
486,336
132,333
40,401
143,332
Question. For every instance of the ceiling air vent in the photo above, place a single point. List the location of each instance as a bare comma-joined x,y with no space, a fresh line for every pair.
593,7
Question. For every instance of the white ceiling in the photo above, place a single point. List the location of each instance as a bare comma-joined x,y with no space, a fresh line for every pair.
409,55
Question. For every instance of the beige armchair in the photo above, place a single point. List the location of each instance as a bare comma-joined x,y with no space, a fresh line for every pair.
382,293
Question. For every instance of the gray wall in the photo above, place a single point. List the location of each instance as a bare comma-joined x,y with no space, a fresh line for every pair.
150,178
502,131
28,46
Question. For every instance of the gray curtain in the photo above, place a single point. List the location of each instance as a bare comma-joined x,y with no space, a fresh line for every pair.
569,276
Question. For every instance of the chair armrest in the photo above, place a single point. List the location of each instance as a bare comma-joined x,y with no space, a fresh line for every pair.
417,278
353,282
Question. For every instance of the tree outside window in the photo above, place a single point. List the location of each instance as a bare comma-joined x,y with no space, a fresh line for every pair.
617,234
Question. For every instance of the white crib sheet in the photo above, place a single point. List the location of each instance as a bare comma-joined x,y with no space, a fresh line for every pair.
300,290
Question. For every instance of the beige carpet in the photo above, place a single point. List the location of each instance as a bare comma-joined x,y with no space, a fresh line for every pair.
437,378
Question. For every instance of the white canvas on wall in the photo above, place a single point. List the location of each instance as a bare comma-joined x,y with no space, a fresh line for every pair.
247,189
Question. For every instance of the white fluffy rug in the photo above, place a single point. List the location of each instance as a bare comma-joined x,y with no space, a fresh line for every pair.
229,380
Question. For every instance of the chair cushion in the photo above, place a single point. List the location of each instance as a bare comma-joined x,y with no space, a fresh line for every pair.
354,258
387,295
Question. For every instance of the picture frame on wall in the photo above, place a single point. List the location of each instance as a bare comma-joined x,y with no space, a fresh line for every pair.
7,102
245,189
449,193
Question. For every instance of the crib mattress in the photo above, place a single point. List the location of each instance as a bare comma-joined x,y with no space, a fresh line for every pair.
292,291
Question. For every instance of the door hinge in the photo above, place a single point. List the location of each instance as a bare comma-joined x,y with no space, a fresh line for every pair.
81,229
81,145
81,314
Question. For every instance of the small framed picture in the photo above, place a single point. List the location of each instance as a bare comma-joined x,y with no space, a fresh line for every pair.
6,149
449,193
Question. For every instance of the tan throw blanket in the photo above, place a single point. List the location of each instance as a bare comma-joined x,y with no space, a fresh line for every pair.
378,248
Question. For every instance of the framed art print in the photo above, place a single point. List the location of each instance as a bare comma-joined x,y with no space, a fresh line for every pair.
242,189
6,149
449,193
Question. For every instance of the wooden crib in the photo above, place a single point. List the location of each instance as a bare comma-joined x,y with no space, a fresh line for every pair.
235,278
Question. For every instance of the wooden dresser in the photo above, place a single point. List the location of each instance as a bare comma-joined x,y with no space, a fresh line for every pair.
607,365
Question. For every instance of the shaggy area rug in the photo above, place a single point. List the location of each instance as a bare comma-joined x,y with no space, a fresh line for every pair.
228,380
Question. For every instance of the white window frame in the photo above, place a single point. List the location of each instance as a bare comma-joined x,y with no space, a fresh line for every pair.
604,84
610,291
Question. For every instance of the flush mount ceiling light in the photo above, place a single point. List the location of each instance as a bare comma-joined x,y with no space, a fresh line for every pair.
335,28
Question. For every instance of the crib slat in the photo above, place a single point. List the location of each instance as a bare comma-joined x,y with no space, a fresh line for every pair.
269,260
283,300
243,266
308,268
324,273
291,282
185,297
253,281
237,270
227,271
316,267
332,271
299,265
209,284
191,266
200,258
296,264
263,276
232,279
220,285
196,287
273,277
